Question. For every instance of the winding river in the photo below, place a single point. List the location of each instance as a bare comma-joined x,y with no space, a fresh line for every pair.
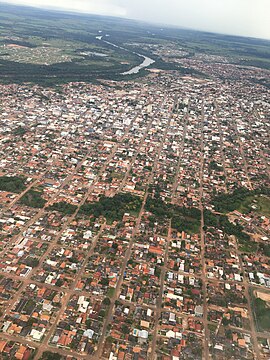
146,60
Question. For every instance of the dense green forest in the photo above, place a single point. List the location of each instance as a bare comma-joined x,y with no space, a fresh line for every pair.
182,218
33,199
222,222
113,208
63,207
12,184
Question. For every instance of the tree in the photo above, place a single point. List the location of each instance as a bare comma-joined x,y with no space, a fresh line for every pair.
13,184
48,355
106,301
125,329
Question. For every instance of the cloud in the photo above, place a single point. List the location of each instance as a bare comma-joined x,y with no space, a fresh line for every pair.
102,7
240,17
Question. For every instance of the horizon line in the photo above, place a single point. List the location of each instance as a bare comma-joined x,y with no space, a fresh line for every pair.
156,24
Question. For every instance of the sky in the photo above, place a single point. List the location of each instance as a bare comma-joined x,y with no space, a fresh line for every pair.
236,17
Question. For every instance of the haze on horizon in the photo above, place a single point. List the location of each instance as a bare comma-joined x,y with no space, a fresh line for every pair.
235,17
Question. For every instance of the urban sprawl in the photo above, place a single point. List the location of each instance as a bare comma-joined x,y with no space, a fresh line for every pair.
134,218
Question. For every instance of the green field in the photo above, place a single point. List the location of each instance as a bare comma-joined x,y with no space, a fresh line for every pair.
258,204
262,204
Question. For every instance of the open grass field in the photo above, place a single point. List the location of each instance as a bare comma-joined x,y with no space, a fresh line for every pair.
261,205
260,304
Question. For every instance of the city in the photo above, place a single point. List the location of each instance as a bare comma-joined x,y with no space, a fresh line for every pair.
135,215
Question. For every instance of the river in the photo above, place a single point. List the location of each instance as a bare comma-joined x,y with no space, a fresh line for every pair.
146,60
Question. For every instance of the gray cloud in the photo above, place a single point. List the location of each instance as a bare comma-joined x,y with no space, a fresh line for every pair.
240,17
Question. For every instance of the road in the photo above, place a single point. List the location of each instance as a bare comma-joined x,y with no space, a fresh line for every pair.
176,181
202,234
250,310
102,340
41,212
67,293
159,300
222,149
242,153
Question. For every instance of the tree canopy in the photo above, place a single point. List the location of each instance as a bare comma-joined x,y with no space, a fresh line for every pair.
12,184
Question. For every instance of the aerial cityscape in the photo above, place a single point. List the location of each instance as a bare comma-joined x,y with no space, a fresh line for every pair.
134,190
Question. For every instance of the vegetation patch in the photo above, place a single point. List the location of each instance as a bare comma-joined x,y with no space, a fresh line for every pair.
182,218
19,131
241,199
113,208
262,314
12,184
263,205
265,249
63,207
222,222
48,355
110,292
33,199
